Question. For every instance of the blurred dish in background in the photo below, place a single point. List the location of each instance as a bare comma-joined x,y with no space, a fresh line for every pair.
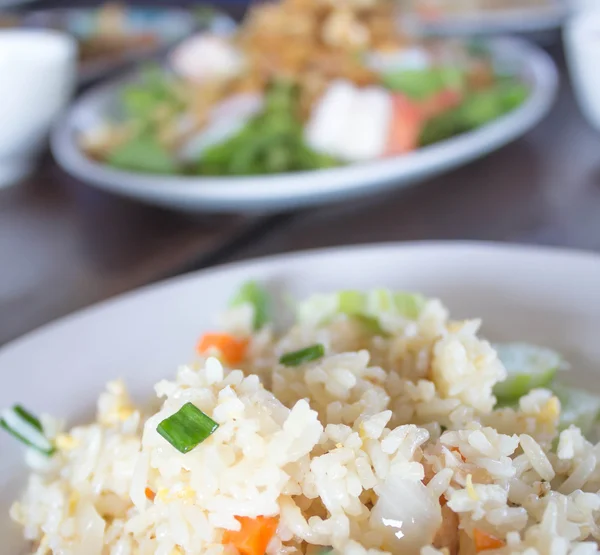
113,35
38,77
304,85
480,17
8,21
301,188
12,3
582,49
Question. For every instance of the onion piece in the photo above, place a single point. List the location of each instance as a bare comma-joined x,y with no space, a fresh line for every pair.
411,503
226,119
90,526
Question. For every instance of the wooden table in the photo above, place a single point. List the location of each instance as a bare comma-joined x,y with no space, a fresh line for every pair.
64,245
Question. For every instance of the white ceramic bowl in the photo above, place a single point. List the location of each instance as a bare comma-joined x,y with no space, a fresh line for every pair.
541,295
582,48
38,76
294,190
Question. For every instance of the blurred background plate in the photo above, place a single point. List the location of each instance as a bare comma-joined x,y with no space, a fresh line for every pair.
112,36
292,190
11,3
547,16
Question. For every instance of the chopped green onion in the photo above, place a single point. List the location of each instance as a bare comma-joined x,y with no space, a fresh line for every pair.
187,428
26,428
252,293
296,358
527,367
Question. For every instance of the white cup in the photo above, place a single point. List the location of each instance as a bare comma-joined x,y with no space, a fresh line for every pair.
37,78
582,49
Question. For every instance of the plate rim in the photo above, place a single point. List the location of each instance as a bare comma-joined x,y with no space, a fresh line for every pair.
317,186
515,20
251,264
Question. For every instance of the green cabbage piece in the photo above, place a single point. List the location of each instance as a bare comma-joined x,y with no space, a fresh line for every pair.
578,408
254,294
528,367
370,307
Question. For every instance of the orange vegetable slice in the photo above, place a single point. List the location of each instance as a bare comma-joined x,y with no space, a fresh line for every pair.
254,535
485,541
150,495
232,349
405,126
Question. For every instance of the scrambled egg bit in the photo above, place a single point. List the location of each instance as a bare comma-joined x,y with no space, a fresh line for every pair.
471,488
550,411
65,442
115,405
165,495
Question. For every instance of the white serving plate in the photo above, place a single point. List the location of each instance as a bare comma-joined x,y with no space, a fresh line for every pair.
293,190
487,22
541,295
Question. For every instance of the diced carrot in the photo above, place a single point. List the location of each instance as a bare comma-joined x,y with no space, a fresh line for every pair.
150,495
405,127
254,536
485,541
232,349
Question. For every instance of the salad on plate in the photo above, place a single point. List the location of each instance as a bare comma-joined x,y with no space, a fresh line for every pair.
302,85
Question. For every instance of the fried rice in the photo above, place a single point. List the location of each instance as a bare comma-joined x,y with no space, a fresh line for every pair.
390,443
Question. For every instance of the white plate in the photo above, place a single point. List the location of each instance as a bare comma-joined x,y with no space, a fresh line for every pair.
541,295
488,22
168,25
292,190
